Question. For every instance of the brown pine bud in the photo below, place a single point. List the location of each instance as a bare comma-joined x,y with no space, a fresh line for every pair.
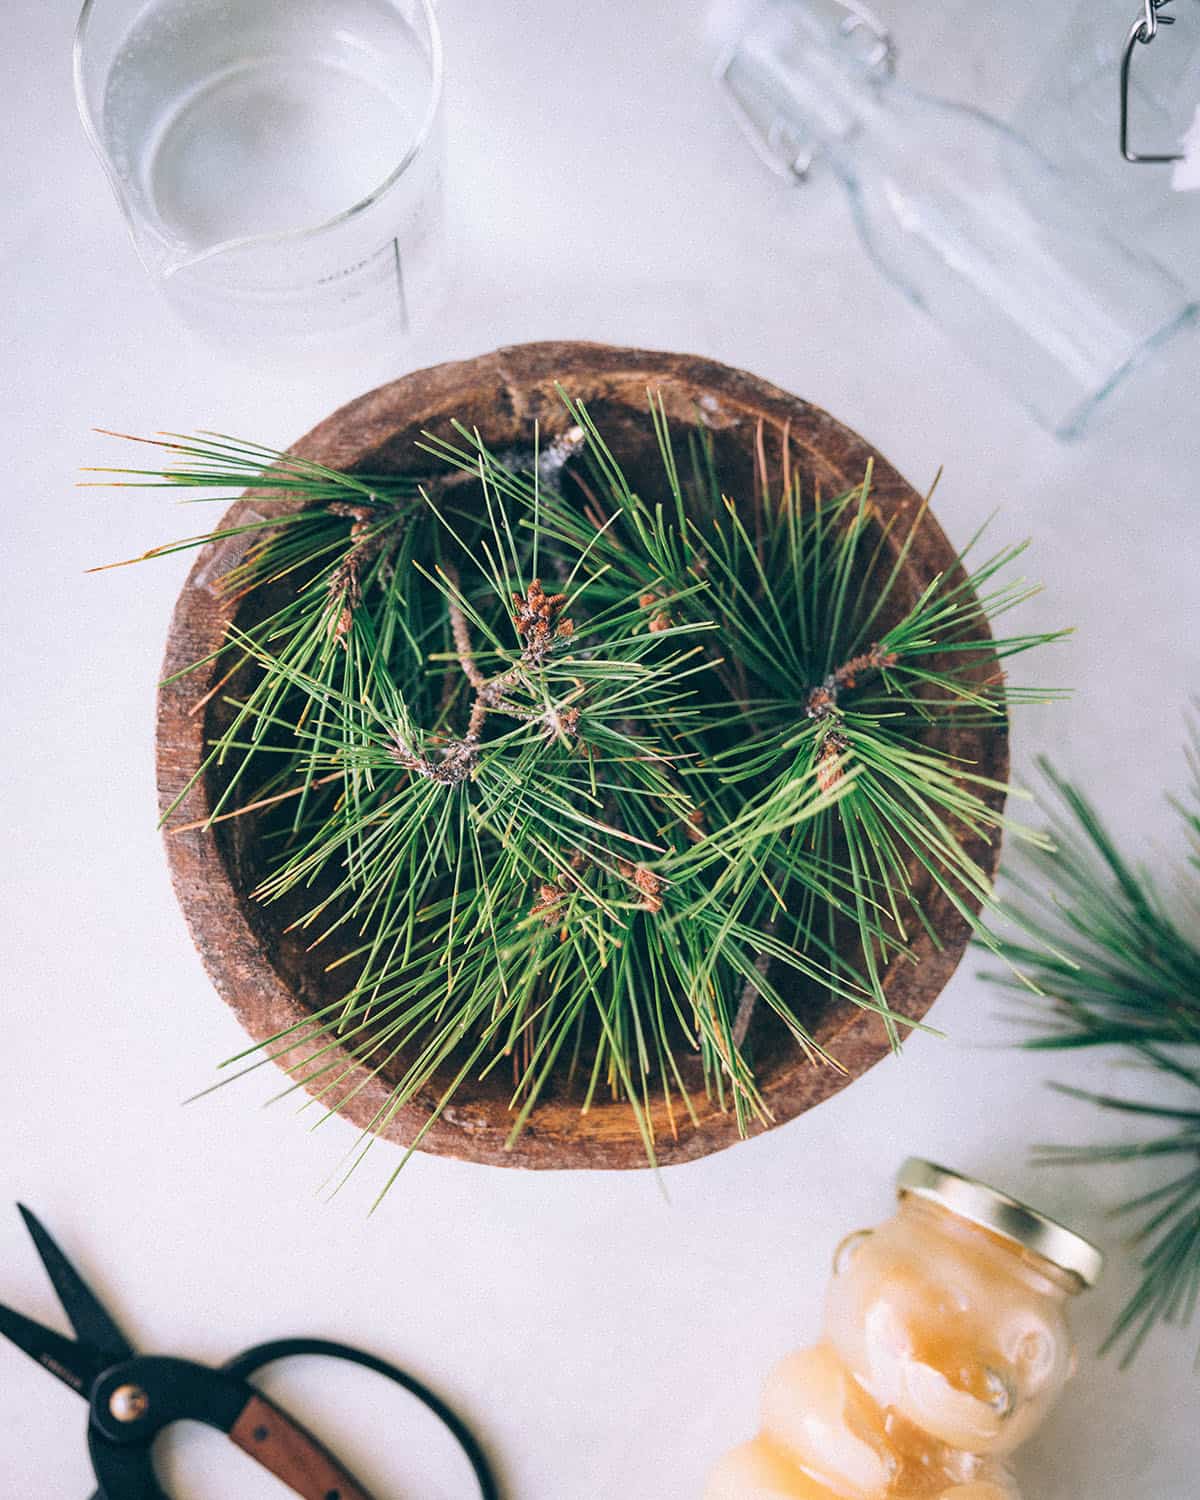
660,620
830,768
821,703
536,617
645,882
548,904
649,884
560,723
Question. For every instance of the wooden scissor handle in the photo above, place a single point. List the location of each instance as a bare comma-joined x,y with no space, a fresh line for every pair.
287,1450
247,1364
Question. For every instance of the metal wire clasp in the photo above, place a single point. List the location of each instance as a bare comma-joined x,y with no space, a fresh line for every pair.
1142,32
882,55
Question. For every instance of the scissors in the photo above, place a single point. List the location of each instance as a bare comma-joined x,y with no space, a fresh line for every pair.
132,1397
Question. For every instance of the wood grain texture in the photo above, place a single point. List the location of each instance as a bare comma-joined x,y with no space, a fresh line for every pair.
270,985
284,1448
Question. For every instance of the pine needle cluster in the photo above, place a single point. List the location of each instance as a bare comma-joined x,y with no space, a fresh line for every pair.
1119,957
572,779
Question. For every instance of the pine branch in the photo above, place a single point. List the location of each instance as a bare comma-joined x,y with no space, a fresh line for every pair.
1119,961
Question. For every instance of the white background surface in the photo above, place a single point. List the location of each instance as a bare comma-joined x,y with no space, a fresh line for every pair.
606,1333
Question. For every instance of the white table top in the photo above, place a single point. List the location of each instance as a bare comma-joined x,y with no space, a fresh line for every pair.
607,1333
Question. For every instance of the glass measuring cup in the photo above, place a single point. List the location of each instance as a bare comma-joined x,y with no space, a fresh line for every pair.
279,163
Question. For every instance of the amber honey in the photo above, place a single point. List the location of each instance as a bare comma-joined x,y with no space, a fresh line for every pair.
944,1344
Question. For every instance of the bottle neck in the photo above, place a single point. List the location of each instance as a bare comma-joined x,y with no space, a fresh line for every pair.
806,85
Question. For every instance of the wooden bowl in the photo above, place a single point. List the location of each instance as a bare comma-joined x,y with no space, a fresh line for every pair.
272,983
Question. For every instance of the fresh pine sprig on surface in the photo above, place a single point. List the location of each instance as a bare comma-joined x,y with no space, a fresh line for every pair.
570,778
1119,958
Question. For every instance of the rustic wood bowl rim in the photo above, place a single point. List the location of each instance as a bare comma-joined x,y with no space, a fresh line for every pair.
520,380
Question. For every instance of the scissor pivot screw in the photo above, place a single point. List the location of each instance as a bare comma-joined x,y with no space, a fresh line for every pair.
128,1403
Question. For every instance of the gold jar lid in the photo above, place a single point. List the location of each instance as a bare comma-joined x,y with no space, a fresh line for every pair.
1003,1215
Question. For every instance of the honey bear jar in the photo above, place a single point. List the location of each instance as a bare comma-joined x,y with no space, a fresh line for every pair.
945,1343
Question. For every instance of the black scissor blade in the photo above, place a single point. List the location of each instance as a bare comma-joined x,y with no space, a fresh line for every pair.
88,1318
71,1362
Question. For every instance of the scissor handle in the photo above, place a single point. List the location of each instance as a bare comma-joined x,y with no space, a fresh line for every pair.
132,1402
291,1453
242,1366
122,1473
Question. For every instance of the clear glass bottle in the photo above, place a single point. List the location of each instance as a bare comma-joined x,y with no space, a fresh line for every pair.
945,1343
968,220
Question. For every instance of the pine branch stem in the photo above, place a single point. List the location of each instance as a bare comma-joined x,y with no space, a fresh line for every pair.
822,700
367,541
749,996
461,632
537,621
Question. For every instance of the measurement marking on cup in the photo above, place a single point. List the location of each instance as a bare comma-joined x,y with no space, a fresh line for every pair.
400,286
344,271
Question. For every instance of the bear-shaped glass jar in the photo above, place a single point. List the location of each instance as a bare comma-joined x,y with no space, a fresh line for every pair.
945,1344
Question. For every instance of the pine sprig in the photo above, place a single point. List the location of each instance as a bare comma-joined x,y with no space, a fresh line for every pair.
1119,959
801,585
556,776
